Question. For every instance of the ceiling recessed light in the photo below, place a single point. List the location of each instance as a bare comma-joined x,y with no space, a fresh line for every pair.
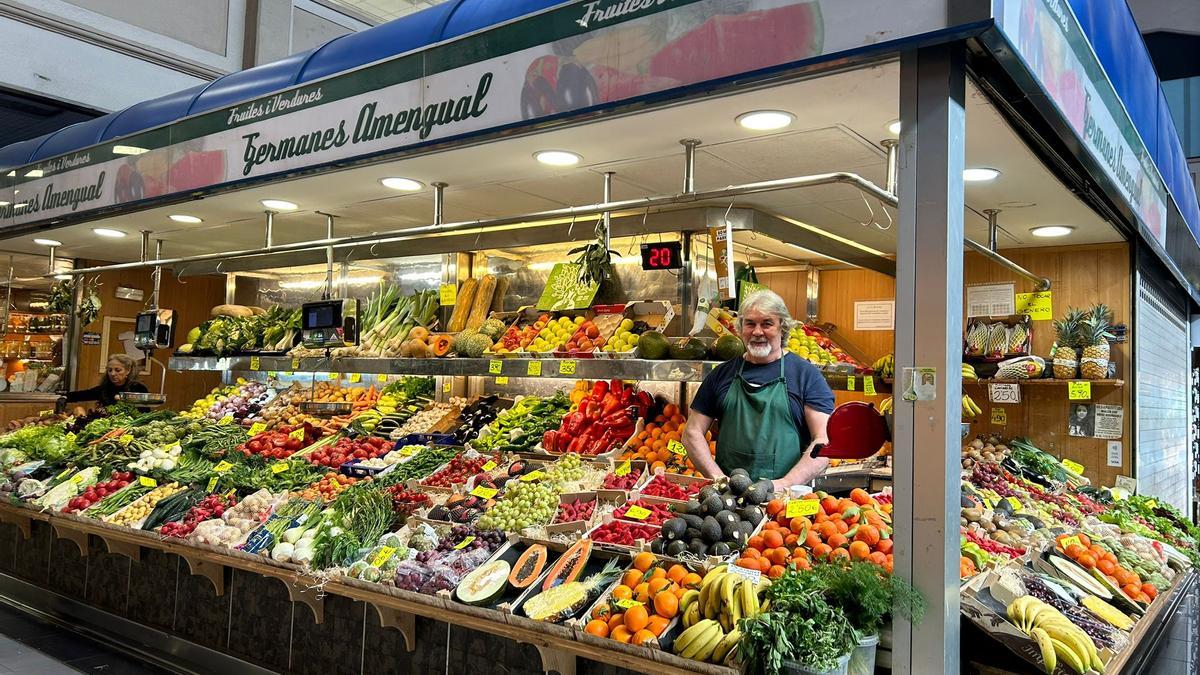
3,203
128,150
893,127
180,218
278,205
62,277
1052,231
34,173
405,184
979,174
47,242
765,120
557,157
107,232
1016,205
12,173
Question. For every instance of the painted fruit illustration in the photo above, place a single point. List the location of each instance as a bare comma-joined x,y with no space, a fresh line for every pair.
128,186
554,85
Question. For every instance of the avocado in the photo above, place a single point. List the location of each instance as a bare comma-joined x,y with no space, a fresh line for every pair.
710,531
751,514
653,345
721,549
692,520
706,492
740,472
767,486
674,548
730,531
698,547
687,349
674,529
713,505
728,347
730,502
725,518
693,507
656,546
691,533
739,483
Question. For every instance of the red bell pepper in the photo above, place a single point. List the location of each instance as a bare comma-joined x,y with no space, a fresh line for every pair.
599,389
548,440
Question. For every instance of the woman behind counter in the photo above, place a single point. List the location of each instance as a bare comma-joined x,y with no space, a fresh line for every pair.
121,377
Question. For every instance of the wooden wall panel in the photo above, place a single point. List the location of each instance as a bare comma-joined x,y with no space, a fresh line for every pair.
192,299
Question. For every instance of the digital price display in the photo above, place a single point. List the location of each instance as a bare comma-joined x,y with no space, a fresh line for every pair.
662,256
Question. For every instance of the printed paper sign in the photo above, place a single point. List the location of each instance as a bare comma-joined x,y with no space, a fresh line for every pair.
1036,305
875,315
990,300
1004,393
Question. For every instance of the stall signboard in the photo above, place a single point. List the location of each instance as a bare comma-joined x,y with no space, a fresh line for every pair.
1048,38
576,56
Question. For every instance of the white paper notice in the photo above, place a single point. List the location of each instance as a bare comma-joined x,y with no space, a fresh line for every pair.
875,315
991,300
1110,423
1114,456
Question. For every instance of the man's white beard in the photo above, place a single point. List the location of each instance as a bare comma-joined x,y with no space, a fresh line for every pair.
759,351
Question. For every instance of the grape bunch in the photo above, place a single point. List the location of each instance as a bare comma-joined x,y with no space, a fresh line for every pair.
524,504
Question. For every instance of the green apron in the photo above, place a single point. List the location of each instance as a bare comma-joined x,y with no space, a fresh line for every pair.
758,432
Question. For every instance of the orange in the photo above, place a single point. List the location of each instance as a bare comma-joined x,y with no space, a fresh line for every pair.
1105,566
656,586
621,634
636,618
860,496
677,573
691,579
597,627
657,625
752,553
772,539
791,540
836,540
666,605
764,564
775,571
867,534
821,550
602,612
1087,560
884,546
799,524
641,593
877,558
615,620
643,560
1083,539
1074,551
632,578
622,592
777,556
839,553
643,636
748,563
859,550
658,573
774,507
842,526
812,539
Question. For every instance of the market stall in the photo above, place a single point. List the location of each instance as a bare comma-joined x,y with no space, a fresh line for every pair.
457,353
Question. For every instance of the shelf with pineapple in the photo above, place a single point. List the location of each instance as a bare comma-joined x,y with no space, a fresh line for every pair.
1049,381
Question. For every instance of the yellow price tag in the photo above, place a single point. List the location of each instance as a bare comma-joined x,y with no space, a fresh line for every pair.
1013,502
802,507
484,492
355,377
567,367
999,417
272,374
257,428
1079,390
637,513
850,383
212,484
125,439
295,364
502,379
1074,467
297,434
226,420
869,385
488,465
448,294
280,467
532,476
676,447
1153,503
289,373
495,366
222,467
1069,541
381,378
991,505
64,474
465,542
624,468
385,554
255,364
446,387
627,603
146,481
534,369
77,478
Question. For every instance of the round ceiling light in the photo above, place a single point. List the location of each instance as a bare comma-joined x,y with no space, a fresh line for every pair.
47,242
980,174
278,205
106,232
893,127
765,120
557,157
180,218
404,184
1052,231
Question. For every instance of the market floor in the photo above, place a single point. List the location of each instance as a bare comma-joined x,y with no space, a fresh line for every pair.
1179,649
32,646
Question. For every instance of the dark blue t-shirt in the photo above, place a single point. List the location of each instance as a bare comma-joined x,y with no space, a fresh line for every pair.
805,384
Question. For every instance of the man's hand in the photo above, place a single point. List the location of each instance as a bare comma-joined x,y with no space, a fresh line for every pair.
782,484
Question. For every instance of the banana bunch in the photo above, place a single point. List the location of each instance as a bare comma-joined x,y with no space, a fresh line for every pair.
886,406
968,373
1056,636
885,366
711,615
970,409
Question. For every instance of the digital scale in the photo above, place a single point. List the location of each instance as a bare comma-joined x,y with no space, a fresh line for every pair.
154,329
328,324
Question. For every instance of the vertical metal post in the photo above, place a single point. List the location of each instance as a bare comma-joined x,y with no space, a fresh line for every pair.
813,292
439,202
158,247
891,145
928,281
993,227
230,288
328,256
73,337
689,164
608,215
145,253
687,291
50,261
270,239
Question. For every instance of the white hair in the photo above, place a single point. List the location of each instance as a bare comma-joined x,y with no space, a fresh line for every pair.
767,302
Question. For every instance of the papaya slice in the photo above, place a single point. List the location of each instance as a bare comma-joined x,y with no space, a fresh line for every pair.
570,565
529,566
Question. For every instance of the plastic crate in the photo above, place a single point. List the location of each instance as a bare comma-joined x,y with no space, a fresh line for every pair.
425,439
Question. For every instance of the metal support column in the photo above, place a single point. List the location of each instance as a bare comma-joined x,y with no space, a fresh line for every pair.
928,335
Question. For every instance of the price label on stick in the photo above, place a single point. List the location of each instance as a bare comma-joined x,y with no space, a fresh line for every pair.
532,476
64,474
850,383
212,484
257,428
484,492
1012,501
446,387
676,447
534,369
382,377
489,465
255,364
226,420
77,478
297,434
279,467
465,542
295,364
802,507
222,467
146,481
623,468
1079,390
869,385
495,366
1069,541
355,377
627,603
567,367
385,554
503,379
637,513
1073,467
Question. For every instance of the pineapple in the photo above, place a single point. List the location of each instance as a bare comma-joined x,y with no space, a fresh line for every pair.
1066,352
997,342
1094,336
977,336
1016,339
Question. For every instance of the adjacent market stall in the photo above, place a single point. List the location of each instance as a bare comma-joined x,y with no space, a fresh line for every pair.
429,326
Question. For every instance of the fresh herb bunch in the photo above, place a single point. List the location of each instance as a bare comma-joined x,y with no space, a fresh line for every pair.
595,259
801,626
868,594
411,387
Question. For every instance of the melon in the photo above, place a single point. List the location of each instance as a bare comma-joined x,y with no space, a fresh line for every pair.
570,565
529,566
484,584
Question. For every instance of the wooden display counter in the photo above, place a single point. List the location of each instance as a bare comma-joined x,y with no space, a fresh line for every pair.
225,600
14,406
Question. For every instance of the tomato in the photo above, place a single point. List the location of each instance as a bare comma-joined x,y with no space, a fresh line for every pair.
292,444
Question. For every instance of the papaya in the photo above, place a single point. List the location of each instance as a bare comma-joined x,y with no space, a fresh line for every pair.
529,566
570,565
442,345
